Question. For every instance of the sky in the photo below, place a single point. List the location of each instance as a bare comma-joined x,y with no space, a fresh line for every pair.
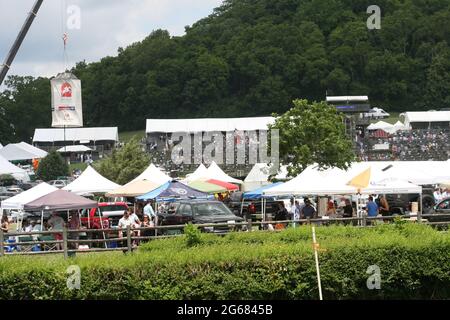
104,26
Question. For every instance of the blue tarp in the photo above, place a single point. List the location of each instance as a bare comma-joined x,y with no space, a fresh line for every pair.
257,194
174,190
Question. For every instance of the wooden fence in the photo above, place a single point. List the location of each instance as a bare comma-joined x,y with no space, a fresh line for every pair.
44,242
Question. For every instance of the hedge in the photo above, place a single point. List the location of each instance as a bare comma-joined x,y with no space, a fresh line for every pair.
414,261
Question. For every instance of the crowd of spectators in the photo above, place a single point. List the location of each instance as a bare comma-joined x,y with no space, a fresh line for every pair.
410,145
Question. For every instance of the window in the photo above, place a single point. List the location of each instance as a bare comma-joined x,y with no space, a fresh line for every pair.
211,208
444,204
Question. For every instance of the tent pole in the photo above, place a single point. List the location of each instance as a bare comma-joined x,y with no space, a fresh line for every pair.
42,219
101,224
419,213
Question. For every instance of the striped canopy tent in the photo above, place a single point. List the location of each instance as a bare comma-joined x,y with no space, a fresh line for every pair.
207,187
173,190
226,185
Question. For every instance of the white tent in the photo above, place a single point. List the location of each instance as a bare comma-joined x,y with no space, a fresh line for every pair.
257,177
28,147
74,148
208,124
334,181
17,202
7,167
427,117
90,181
214,172
399,126
382,125
198,174
1,146
153,174
13,152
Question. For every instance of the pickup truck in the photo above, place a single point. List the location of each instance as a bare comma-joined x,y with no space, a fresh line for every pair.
201,212
107,214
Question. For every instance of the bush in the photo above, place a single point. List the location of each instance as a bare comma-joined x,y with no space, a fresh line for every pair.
7,180
413,259
52,166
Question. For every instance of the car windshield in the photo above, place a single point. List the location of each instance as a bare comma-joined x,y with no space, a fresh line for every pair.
113,208
211,209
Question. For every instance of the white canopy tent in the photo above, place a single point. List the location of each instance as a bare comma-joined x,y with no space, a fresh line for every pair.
214,172
198,174
334,181
13,152
17,202
28,147
257,177
153,174
90,181
382,125
74,148
399,126
7,167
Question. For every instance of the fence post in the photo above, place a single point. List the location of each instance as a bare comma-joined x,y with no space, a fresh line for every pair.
250,225
66,252
2,240
129,238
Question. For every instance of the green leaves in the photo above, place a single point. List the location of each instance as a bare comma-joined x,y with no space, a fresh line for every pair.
52,166
125,163
313,133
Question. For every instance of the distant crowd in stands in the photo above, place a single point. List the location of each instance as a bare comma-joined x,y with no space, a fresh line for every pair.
412,145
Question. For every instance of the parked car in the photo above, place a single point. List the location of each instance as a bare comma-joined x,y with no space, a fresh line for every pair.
400,203
58,183
201,212
107,214
440,208
376,113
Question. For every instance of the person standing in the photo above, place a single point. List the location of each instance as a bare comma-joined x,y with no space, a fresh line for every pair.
308,211
5,224
384,206
74,224
437,195
372,208
57,224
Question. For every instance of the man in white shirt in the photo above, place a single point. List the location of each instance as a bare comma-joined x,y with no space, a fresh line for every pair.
124,222
148,210
437,195
57,224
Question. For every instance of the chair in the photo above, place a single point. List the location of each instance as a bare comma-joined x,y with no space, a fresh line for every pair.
48,246
25,247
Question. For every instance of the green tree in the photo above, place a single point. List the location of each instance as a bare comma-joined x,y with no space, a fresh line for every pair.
313,133
52,167
125,163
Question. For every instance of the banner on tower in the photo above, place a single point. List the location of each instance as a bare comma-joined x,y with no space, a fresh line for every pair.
67,110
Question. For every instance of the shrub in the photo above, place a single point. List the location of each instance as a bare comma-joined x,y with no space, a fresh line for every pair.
413,259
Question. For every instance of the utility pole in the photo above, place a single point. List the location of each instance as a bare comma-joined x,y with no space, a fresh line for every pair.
15,47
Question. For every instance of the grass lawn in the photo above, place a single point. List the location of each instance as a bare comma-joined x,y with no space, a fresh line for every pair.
80,166
392,119
126,136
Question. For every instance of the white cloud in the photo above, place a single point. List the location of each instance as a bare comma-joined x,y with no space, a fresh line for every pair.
105,26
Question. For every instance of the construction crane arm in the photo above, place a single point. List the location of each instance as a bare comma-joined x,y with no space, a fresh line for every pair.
15,47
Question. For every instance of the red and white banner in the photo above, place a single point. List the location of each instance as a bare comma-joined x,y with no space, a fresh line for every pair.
67,110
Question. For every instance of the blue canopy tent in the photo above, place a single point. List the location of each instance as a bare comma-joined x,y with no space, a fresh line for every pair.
173,190
257,193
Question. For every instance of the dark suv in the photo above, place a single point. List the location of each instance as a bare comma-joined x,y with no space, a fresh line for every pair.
201,212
